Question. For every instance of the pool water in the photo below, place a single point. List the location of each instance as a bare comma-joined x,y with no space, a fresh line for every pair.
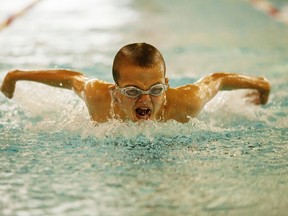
231,160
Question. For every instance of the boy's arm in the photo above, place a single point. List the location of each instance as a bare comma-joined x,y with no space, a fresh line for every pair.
55,77
211,84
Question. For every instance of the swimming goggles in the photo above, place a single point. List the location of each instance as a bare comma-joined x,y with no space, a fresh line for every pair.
134,92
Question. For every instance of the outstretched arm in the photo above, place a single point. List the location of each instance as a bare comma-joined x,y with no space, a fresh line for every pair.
54,77
211,84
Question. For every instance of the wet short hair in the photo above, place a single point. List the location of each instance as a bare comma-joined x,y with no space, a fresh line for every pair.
139,54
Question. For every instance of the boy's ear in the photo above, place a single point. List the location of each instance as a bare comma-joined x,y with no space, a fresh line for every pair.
111,87
166,80
112,92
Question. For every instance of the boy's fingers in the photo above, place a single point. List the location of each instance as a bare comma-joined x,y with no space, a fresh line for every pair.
263,97
253,97
8,92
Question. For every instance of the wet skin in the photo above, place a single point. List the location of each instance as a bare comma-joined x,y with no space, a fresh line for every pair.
145,106
104,102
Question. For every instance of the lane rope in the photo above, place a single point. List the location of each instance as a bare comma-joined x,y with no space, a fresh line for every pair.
10,19
279,14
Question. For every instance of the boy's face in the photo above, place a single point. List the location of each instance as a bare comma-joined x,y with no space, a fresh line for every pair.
145,106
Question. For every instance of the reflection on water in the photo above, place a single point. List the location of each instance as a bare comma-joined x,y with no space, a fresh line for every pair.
231,160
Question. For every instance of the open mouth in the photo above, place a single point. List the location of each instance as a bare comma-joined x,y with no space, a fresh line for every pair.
143,113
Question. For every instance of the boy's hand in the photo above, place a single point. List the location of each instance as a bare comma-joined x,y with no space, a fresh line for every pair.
8,85
263,90
261,95
253,97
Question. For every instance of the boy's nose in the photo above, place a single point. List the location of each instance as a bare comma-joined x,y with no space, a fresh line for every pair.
144,98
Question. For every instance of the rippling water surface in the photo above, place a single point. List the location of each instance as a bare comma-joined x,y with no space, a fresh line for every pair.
231,160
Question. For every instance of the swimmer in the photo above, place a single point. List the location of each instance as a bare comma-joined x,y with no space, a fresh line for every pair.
141,90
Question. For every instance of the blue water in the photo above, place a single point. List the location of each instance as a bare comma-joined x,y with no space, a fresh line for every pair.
231,160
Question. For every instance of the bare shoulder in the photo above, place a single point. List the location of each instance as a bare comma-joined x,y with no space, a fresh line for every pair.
183,102
96,84
185,95
97,97
95,88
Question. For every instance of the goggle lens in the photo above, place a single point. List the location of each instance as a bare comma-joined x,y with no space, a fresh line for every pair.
134,92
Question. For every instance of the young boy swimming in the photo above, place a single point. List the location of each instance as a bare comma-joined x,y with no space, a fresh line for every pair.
141,90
